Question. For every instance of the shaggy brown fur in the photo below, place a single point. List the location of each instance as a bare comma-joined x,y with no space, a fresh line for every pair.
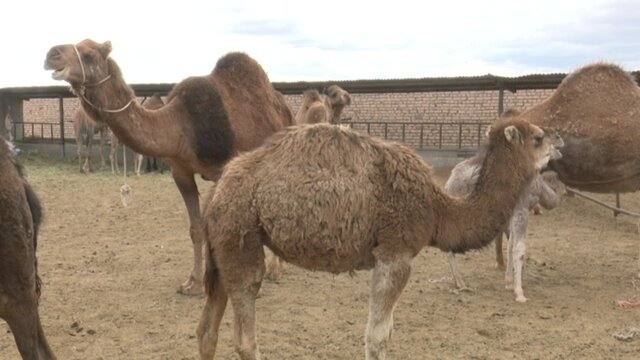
596,109
331,199
322,108
206,121
20,216
85,129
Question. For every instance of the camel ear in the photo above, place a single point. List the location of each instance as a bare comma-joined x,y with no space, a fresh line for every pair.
105,49
513,134
487,131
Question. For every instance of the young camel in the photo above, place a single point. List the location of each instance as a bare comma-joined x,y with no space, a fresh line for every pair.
207,119
328,198
322,108
20,216
84,129
545,190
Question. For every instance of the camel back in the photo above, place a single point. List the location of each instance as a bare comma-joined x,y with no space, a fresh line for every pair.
597,111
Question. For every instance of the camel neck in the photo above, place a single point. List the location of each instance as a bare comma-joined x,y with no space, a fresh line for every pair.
113,103
473,222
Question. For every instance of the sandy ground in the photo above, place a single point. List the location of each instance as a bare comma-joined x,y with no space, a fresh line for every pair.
110,276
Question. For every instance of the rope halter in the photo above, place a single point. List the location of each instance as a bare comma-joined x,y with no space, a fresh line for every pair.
84,85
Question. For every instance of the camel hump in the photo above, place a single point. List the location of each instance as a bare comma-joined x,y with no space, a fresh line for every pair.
240,68
211,127
599,76
310,96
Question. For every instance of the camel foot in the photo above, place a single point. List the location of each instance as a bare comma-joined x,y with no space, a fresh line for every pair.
520,297
191,288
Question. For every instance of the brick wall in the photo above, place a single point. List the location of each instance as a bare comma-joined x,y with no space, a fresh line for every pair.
445,111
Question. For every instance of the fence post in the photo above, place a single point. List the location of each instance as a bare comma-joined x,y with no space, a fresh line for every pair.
61,110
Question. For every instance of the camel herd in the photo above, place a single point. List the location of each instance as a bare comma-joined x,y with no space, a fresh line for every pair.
316,195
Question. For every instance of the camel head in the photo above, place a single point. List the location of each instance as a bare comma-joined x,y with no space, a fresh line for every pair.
338,98
518,139
85,63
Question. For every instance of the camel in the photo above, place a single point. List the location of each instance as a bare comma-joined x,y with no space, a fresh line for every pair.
207,119
322,108
596,110
20,216
84,129
328,198
545,190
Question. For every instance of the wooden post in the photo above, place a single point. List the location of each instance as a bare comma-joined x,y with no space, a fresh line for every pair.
61,111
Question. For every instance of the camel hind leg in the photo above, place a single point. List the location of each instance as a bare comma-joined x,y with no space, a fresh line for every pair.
388,279
243,268
209,325
26,327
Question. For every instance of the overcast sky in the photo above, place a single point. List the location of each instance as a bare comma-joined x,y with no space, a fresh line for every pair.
327,40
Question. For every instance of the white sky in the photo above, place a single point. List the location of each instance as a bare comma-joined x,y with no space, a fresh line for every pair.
325,40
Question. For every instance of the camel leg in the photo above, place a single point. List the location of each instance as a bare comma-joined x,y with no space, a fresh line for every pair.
275,266
387,282
137,162
79,153
189,191
455,272
499,255
113,155
519,237
25,325
212,313
103,140
508,274
243,268
87,159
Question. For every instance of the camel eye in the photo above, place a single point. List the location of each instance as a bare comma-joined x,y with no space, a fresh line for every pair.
538,140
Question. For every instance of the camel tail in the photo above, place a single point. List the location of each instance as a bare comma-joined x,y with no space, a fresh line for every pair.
211,272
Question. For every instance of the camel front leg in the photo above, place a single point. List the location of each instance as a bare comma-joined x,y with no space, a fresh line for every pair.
189,191
137,162
388,279
518,248
455,272
103,140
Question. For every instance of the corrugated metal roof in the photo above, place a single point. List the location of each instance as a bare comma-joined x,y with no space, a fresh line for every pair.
460,83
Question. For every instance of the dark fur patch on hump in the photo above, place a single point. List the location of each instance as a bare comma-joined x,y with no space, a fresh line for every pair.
214,138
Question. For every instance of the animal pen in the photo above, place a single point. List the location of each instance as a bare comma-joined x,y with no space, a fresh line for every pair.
442,118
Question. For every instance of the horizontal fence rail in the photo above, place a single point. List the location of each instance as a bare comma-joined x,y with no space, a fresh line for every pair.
426,135
419,135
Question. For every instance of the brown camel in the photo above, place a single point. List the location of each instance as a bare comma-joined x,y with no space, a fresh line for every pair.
545,189
327,198
85,129
322,108
20,216
596,109
207,119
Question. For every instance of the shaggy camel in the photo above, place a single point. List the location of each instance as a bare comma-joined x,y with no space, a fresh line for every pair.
153,102
596,110
20,215
327,198
207,119
545,190
84,129
322,108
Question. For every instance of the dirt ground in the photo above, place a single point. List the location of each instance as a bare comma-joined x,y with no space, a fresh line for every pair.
110,276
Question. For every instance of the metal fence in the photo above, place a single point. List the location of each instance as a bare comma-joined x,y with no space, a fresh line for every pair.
419,135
